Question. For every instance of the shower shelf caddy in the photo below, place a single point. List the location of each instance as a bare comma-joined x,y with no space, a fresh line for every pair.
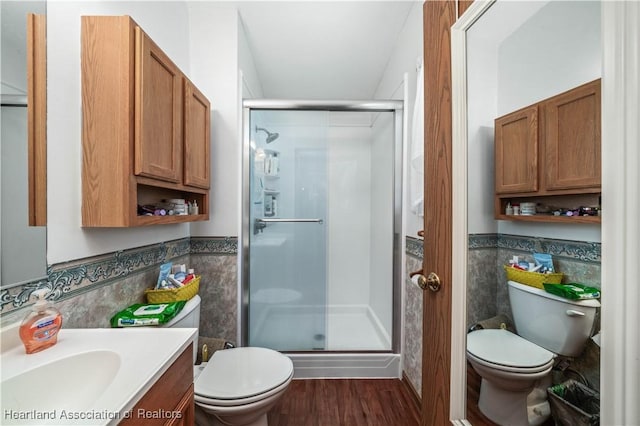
267,169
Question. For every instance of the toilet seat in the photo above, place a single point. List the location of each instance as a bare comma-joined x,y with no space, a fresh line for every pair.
506,351
230,403
240,376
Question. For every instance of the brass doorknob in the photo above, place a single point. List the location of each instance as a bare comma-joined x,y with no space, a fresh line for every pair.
433,282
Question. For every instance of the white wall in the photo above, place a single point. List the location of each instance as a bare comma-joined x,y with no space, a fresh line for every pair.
214,51
349,193
23,246
407,50
202,39
251,85
382,214
167,24
555,49
482,99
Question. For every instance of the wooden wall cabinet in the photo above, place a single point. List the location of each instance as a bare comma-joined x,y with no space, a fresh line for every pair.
549,153
170,401
146,128
37,117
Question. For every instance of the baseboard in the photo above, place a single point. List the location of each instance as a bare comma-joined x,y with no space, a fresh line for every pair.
412,391
318,365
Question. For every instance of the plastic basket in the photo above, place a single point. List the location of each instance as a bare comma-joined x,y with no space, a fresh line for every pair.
534,279
174,294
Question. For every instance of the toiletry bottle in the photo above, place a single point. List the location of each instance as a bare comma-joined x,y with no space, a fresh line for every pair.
39,329
509,210
190,275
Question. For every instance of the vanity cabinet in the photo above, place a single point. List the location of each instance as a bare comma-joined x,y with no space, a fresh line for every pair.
170,401
549,153
145,128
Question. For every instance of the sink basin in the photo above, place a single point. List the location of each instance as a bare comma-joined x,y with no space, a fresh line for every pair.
71,383
92,376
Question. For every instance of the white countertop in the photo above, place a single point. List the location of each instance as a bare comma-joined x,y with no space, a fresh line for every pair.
143,355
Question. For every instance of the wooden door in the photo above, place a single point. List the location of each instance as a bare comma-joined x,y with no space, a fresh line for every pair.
438,17
516,151
158,112
197,136
572,138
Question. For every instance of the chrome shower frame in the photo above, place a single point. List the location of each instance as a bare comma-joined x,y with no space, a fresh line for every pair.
395,106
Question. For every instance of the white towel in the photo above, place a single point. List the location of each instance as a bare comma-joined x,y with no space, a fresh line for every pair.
417,148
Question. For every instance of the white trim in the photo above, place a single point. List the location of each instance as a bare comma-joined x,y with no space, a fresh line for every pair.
458,396
620,351
345,365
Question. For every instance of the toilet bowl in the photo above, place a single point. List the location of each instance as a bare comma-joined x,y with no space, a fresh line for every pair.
238,386
516,368
511,368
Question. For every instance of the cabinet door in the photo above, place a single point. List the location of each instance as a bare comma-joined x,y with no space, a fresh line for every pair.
197,136
572,138
186,409
158,112
516,151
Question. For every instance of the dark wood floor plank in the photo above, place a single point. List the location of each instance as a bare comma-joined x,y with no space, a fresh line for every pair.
345,402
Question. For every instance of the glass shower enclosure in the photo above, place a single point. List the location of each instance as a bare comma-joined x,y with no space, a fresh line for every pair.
321,204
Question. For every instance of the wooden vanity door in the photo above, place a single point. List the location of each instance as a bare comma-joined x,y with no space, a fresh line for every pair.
158,113
572,138
516,149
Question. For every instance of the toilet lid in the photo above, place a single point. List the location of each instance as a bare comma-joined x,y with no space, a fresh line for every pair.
502,347
242,373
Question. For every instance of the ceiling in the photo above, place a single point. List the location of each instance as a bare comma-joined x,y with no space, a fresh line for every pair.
322,49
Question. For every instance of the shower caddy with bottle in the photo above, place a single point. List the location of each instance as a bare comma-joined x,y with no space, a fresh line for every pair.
267,173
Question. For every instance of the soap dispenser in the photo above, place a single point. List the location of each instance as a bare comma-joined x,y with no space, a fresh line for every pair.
39,329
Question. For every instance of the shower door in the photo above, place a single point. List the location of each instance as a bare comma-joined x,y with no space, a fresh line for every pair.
318,243
287,294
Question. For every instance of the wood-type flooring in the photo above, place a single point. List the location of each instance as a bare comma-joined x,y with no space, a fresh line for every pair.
345,402
361,402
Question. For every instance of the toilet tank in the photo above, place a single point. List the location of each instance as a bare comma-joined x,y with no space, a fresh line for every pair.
555,323
188,317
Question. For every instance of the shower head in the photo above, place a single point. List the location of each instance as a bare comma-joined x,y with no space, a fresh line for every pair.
270,136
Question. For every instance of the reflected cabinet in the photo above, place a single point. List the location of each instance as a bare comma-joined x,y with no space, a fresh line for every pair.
146,129
549,154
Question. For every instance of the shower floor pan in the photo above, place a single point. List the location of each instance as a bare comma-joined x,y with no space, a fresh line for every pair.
352,328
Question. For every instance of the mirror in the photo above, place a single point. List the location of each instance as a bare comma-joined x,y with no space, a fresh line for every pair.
510,55
23,167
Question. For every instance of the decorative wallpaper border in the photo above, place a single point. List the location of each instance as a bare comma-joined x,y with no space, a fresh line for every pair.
414,247
67,279
575,250
70,278
483,241
219,246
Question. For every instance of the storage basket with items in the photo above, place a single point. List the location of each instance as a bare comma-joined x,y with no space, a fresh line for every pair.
175,283
534,274
175,286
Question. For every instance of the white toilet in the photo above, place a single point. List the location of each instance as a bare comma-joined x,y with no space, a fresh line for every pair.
516,369
238,386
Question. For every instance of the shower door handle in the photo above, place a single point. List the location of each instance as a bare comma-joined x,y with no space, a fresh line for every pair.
320,221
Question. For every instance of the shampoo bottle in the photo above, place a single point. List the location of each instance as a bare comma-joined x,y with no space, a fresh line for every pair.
39,329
